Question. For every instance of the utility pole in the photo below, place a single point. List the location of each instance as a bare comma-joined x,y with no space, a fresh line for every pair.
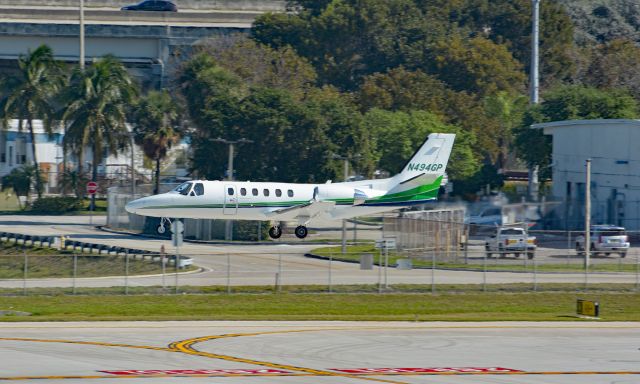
587,217
231,143
81,58
534,86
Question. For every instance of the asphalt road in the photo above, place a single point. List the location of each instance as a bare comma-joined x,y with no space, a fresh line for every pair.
320,352
260,264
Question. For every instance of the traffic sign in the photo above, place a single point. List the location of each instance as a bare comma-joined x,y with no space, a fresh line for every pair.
177,226
92,187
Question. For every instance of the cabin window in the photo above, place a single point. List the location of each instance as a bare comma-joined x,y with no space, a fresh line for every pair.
290,193
278,192
243,191
254,191
230,191
199,189
266,192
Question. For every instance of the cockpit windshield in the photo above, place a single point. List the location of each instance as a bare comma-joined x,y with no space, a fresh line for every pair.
183,188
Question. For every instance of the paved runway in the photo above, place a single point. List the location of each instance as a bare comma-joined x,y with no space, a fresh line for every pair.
320,352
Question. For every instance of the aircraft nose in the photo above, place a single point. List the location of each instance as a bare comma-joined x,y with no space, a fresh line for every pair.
134,206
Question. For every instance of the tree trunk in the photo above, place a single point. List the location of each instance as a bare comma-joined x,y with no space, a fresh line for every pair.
76,188
35,159
156,189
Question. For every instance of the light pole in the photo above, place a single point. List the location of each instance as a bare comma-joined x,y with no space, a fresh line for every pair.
534,85
231,143
81,58
346,160
587,217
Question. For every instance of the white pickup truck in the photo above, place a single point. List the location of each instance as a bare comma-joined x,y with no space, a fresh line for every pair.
510,240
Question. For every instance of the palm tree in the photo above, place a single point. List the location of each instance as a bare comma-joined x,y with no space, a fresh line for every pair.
96,114
154,121
30,96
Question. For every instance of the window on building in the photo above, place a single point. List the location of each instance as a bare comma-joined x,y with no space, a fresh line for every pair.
265,192
254,191
243,191
290,193
11,156
278,193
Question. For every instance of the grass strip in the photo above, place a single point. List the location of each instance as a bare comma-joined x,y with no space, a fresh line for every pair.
492,264
478,306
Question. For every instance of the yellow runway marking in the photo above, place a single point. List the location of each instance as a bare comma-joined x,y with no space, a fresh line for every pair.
187,347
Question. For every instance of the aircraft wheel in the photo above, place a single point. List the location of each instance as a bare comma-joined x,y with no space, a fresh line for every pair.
161,229
301,232
275,232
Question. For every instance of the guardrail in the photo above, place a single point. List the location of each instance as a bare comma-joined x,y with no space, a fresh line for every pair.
62,243
242,18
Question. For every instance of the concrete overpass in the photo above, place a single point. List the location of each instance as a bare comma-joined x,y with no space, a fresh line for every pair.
151,44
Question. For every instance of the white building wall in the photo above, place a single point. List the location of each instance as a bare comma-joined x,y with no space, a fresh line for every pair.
612,146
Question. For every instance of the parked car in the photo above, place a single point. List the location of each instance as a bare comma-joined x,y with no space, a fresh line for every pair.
605,239
152,5
510,240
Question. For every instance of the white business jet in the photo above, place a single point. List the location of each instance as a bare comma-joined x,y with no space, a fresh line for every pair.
418,183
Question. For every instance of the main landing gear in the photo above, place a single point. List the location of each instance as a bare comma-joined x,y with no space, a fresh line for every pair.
276,231
301,232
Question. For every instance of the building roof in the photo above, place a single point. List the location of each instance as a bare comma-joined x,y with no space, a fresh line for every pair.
571,123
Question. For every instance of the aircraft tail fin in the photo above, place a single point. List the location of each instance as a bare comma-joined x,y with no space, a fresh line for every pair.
421,176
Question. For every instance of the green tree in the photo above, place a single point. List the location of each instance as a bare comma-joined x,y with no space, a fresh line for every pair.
569,103
508,110
260,65
348,39
403,90
399,134
20,180
96,114
615,64
30,96
156,128
476,65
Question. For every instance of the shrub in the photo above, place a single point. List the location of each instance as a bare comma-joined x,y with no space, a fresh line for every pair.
61,204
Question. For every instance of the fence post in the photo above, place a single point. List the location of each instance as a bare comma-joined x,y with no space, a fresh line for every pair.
26,269
75,272
433,273
280,270
330,273
484,273
568,245
466,244
637,271
228,273
386,267
126,274
380,271
535,275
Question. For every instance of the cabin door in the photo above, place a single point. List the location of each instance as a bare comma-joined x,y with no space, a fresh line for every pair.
230,200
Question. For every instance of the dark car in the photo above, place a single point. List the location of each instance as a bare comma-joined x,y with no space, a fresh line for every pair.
152,5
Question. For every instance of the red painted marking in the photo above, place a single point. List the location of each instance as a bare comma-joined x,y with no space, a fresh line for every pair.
370,371
141,372
92,187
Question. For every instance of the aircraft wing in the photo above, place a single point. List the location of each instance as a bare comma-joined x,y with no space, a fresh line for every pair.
309,210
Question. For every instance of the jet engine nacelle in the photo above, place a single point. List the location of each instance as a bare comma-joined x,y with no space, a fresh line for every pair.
335,192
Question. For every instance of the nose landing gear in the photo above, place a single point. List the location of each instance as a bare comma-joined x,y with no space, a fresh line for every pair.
162,229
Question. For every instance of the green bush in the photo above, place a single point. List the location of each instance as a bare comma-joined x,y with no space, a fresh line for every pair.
60,204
